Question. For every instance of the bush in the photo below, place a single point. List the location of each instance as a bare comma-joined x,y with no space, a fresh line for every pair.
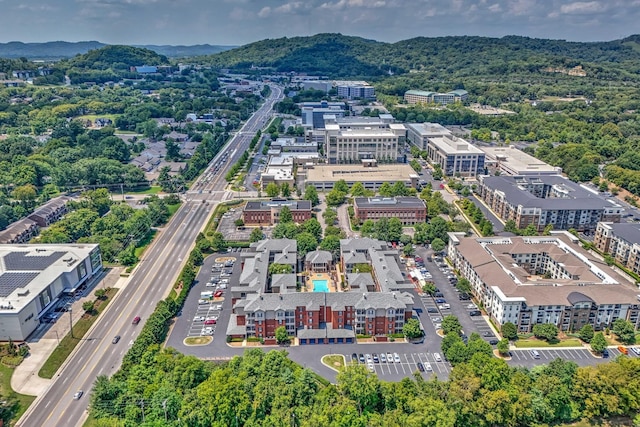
12,361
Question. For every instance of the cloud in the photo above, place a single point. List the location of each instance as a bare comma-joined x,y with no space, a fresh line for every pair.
344,4
582,7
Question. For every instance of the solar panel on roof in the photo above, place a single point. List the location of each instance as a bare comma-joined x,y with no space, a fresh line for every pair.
9,282
21,261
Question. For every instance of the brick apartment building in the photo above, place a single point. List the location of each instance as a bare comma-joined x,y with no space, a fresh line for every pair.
621,241
409,210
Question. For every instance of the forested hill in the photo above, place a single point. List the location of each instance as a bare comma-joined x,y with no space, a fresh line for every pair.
337,55
115,57
61,50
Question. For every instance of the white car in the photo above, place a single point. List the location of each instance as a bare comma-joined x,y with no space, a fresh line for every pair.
203,301
207,331
224,281
636,350
396,357
210,285
370,367
445,306
427,366
198,319
472,306
389,357
383,358
216,307
437,357
78,394
369,358
222,286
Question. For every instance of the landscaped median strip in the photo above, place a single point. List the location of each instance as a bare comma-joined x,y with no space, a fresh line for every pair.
334,361
68,343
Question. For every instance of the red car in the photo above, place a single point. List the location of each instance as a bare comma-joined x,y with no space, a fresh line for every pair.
218,293
136,320
210,322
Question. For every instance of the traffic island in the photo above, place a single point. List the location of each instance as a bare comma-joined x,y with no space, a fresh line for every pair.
197,341
334,361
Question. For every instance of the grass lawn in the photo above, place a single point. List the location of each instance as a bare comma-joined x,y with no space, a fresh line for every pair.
334,361
173,208
23,401
198,340
67,344
533,343
145,242
150,190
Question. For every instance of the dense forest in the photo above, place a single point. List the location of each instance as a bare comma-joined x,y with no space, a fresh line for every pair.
169,389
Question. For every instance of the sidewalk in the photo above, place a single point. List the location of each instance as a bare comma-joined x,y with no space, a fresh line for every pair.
45,338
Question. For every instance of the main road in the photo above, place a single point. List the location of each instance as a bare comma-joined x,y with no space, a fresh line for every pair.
150,282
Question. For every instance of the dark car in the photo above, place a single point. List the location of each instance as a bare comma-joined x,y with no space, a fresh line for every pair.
115,339
475,313
493,342
605,353
361,358
354,357
438,294
441,300
465,339
432,310
420,367
464,297
376,359
487,334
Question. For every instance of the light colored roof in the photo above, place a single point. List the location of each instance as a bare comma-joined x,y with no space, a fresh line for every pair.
356,173
517,161
318,257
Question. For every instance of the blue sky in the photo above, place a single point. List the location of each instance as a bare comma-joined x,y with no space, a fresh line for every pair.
236,22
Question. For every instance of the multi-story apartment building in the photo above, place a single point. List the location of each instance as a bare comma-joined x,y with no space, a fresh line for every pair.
352,139
426,97
375,305
268,212
409,210
621,241
543,279
355,90
546,200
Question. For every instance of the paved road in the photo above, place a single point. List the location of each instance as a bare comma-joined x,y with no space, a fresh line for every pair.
498,226
149,283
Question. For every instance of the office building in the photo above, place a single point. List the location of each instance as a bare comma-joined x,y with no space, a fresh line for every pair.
418,134
426,97
409,210
369,173
355,90
268,212
543,279
546,200
511,161
34,277
455,156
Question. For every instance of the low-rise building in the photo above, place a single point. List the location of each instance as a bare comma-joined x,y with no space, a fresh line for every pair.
370,174
426,97
621,241
20,231
268,212
547,200
543,279
409,210
418,134
511,161
51,212
32,279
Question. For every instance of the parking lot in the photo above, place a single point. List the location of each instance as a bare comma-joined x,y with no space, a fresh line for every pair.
407,365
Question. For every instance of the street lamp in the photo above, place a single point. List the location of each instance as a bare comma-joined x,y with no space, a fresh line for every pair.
71,320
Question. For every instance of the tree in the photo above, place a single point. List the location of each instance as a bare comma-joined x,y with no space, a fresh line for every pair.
411,329
509,331
280,268
358,190
546,331
306,243
429,288
239,222
331,243
282,337
399,189
272,190
511,227
451,324
256,235
285,190
285,215
341,186
408,250
586,333
313,226
330,215
625,331
195,257
311,194
100,293
88,306
464,286
395,229
335,197
503,346
385,190
437,245
598,343
217,242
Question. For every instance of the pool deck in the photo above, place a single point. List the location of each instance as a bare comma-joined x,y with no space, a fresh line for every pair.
320,276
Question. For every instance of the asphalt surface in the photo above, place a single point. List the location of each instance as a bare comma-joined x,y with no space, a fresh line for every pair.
150,282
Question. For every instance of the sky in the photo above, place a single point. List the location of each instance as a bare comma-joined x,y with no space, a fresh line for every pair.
237,22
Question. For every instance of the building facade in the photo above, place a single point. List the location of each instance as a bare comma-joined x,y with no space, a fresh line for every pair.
268,212
426,97
511,161
544,201
621,241
355,90
543,279
409,210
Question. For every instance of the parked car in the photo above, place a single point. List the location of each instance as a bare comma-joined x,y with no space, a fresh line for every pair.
475,313
369,358
493,342
198,318
389,357
636,350
472,306
437,357
420,367
534,354
396,357
605,353
444,306
432,310
383,358
354,357
375,358
210,322
441,300
427,366
218,293
370,367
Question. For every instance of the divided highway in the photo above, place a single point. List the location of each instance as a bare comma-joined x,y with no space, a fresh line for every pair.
149,283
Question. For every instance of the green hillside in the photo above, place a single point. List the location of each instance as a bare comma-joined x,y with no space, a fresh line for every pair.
116,57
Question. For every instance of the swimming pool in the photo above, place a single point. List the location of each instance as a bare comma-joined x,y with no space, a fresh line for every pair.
320,286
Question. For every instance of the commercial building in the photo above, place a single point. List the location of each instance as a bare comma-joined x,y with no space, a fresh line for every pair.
543,279
455,156
511,161
418,134
355,90
260,307
34,277
621,241
426,97
409,210
268,212
546,200
370,174
351,139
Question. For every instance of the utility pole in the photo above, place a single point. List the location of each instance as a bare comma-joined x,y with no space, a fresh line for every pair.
71,321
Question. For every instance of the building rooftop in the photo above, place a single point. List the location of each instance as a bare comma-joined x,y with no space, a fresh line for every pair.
495,260
450,144
357,173
567,194
428,129
277,203
27,270
517,161
409,202
629,232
